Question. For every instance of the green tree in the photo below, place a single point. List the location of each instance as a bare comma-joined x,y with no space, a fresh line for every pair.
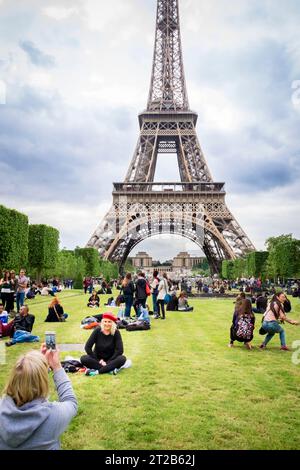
227,269
257,263
42,248
91,258
108,270
239,268
66,264
13,239
284,256
202,268
128,267
80,272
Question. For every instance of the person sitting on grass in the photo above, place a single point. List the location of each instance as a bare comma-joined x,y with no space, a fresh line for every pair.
46,290
28,421
243,322
6,328
261,303
23,324
172,305
94,300
183,305
56,311
104,348
274,314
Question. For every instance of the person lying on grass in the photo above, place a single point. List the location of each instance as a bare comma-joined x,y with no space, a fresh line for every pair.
104,348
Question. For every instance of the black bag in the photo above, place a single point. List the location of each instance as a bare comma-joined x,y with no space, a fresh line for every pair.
287,306
262,331
138,325
122,324
71,366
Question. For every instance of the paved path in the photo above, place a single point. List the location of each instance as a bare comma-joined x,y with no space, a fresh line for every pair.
71,347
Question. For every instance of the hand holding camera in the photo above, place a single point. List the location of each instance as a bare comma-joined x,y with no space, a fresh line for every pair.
51,353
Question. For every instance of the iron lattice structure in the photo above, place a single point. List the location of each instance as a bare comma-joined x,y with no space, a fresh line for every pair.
195,208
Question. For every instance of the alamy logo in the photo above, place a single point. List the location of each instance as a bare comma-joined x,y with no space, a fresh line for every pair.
296,94
2,92
2,353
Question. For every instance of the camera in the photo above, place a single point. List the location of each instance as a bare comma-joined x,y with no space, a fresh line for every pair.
50,340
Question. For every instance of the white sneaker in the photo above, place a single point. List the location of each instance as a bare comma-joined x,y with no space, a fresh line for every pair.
127,364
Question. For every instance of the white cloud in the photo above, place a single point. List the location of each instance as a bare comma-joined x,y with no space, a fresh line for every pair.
60,12
217,110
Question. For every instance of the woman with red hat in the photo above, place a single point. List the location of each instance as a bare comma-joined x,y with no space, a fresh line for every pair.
104,348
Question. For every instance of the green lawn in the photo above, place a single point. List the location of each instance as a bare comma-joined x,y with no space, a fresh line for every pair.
186,389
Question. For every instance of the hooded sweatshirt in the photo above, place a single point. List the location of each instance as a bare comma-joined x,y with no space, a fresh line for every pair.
38,424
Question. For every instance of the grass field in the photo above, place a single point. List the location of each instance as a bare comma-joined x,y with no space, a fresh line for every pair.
186,389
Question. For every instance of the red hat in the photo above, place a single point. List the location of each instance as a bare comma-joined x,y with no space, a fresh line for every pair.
110,316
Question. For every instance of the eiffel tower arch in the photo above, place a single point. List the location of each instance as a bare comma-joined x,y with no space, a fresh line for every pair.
193,208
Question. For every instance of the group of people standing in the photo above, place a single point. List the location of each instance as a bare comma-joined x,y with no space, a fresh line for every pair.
160,288
136,293
13,287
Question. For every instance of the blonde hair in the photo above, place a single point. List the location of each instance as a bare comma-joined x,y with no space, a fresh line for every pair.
28,379
113,327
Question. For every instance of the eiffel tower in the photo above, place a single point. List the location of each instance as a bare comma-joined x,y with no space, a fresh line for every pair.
194,208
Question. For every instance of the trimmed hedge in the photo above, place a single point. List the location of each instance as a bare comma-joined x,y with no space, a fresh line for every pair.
43,245
91,258
13,239
257,263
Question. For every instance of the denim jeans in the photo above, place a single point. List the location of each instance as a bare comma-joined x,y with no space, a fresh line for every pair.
21,336
144,315
20,296
128,305
273,327
154,301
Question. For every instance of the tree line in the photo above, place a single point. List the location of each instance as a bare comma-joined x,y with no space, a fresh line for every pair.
280,260
36,248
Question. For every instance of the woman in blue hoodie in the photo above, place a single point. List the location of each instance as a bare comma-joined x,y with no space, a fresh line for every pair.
28,421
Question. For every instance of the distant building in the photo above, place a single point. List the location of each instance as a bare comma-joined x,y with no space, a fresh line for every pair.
141,260
182,264
185,260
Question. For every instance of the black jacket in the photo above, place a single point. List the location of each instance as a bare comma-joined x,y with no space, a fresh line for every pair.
129,289
141,289
24,323
52,317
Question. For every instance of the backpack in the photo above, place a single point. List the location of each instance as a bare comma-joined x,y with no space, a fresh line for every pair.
287,306
148,290
138,325
244,328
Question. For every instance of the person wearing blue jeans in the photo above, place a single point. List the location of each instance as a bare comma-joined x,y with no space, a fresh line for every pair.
22,282
21,336
275,313
154,288
128,290
23,324
128,304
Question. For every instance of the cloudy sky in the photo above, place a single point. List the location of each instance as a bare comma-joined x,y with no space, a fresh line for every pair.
74,75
